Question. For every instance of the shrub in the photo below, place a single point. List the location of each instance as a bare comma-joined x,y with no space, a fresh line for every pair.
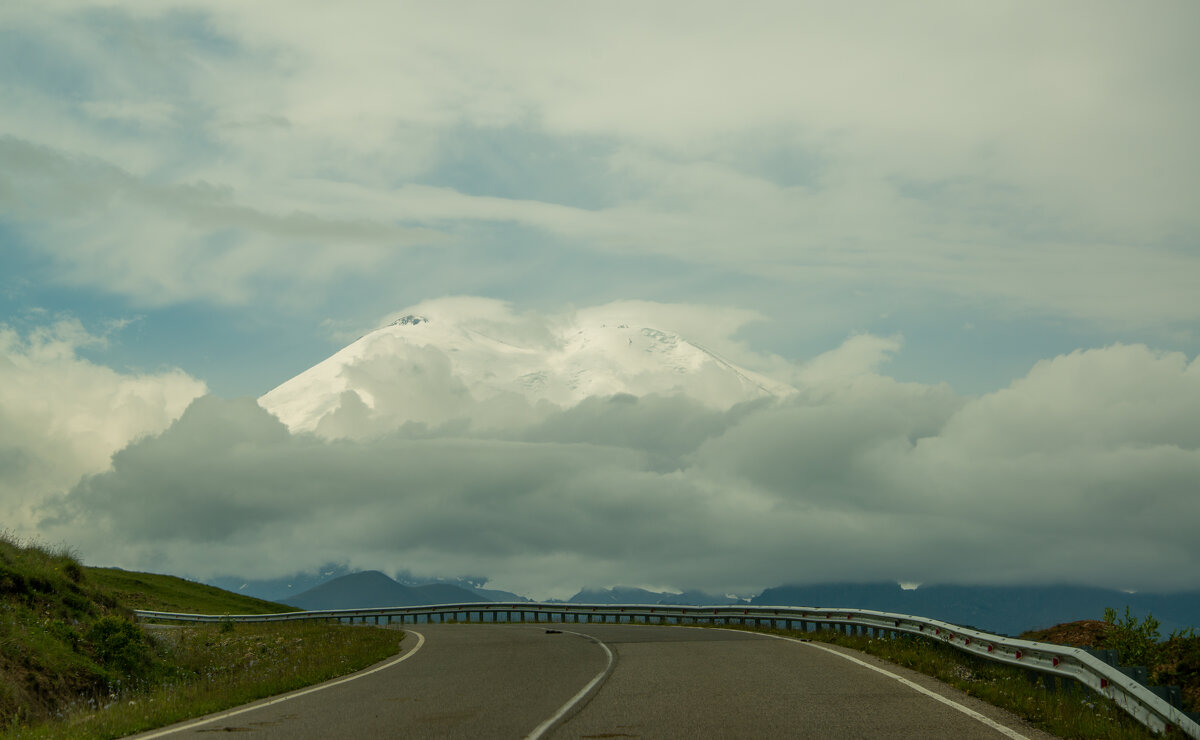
120,645
1136,643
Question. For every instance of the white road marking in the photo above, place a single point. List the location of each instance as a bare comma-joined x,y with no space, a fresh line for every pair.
931,694
293,695
583,693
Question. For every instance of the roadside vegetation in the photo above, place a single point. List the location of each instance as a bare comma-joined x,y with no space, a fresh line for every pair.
73,663
1060,709
1174,661
1077,713
154,592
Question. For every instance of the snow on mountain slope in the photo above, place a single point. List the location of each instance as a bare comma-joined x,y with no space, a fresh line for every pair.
431,369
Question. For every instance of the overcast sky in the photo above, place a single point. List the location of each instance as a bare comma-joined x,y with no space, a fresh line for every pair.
967,233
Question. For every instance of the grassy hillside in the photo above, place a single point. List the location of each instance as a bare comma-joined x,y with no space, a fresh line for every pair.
70,651
1171,662
170,594
60,635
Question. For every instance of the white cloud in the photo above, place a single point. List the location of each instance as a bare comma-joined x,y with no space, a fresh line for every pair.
1033,158
50,440
898,480
145,113
165,244
1015,161
859,356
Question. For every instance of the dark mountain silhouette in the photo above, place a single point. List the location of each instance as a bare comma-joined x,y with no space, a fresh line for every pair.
286,588
496,595
279,589
374,589
1008,610
627,595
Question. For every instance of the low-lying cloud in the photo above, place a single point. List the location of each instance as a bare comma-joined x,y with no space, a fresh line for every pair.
1083,471
62,417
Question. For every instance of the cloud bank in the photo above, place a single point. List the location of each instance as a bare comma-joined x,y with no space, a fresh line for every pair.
49,440
1027,158
1083,470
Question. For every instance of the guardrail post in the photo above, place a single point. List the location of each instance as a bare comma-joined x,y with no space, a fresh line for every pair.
1172,695
1033,677
1068,685
1108,656
1138,673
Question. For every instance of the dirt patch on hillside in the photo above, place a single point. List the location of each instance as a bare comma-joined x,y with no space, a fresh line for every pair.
1085,633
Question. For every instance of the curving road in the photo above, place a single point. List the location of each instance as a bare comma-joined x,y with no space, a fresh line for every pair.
617,681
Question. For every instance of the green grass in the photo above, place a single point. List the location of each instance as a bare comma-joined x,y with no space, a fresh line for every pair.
1079,713
216,667
154,592
56,630
73,663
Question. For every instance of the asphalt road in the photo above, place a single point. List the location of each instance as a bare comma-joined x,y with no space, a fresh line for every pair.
521,681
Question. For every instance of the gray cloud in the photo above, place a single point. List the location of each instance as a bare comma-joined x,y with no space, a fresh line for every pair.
1016,158
868,479
100,222
48,441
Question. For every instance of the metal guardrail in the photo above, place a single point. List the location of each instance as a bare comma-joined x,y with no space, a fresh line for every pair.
1075,663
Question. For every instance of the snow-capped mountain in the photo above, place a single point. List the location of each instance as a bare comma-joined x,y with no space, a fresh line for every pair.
432,369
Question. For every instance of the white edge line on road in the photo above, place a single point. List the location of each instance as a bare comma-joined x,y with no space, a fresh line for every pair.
931,694
286,697
565,708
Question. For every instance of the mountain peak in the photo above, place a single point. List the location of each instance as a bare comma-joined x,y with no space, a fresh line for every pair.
496,369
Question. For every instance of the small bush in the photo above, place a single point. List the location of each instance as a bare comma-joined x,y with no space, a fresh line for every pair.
1136,643
121,645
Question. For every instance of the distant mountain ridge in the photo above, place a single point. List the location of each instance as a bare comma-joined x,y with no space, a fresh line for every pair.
369,589
1008,610
626,595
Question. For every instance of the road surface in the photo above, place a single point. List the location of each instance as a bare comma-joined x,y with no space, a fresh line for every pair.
560,681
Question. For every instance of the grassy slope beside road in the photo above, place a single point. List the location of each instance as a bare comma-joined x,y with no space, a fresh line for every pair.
1066,713
74,664
154,592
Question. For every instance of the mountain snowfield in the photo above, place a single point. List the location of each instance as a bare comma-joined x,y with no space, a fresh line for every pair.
433,369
